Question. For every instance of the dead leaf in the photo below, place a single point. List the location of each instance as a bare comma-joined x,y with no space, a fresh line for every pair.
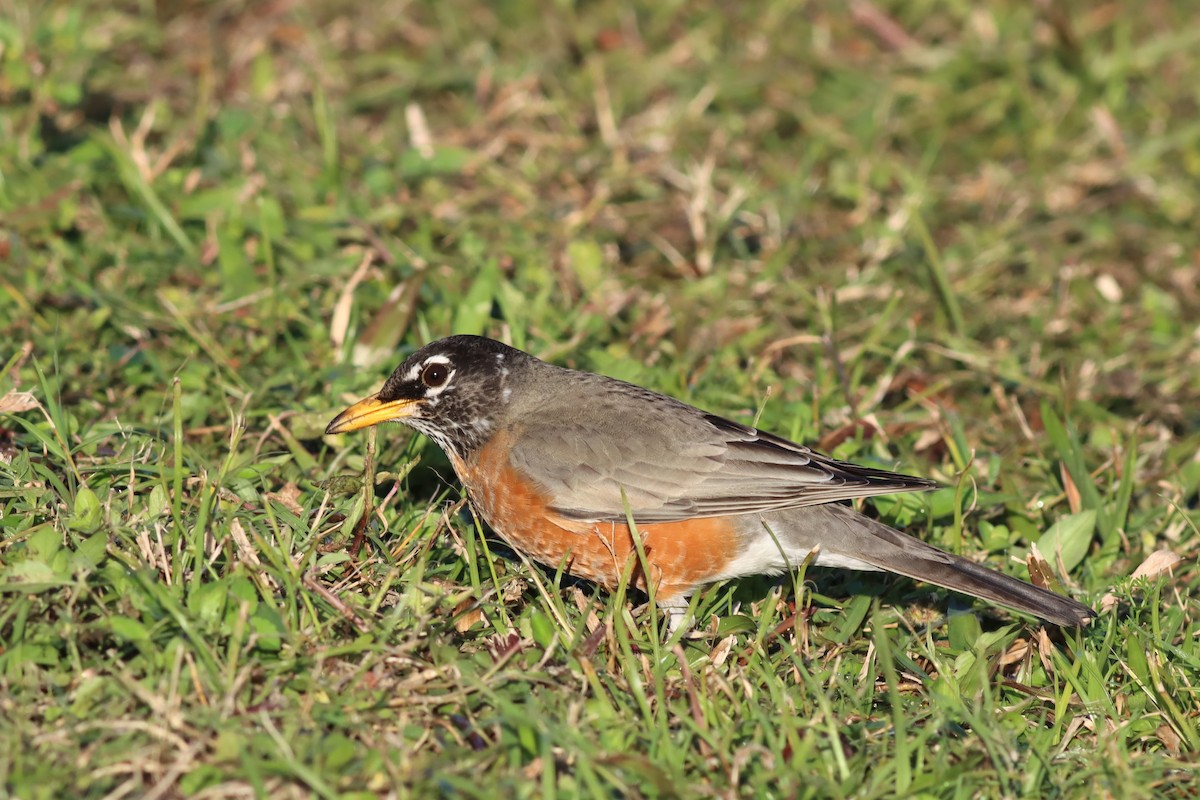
1040,574
1170,739
339,323
465,616
15,402
1017,651
1157,563
288,497
721,652
859,427
1071,490
1045,650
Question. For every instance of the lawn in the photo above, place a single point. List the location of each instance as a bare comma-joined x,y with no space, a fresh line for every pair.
956,240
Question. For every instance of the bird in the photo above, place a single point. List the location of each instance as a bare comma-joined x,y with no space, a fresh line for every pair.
560,462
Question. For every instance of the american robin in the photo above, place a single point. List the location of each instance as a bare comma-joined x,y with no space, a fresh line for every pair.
557,461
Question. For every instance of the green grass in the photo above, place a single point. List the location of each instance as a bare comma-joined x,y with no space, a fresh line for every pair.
964,246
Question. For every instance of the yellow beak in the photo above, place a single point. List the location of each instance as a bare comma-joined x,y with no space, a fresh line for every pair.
371,411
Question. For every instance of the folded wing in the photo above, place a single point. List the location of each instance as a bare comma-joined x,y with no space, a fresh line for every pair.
667,466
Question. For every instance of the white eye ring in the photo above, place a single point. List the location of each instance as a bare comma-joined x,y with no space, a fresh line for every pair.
435,375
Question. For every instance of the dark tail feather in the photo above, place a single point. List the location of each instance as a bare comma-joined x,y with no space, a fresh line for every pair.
850,534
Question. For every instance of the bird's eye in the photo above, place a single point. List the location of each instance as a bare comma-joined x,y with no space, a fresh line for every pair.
435,376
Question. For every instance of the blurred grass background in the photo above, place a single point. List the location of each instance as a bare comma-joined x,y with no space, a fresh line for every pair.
951,238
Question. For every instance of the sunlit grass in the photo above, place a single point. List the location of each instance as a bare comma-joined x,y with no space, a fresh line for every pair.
957,243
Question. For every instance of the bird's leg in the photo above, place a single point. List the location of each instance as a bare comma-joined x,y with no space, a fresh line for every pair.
676,609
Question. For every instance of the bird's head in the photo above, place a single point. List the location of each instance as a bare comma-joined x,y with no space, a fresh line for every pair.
451,390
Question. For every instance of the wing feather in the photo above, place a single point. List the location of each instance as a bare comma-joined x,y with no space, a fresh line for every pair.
674,462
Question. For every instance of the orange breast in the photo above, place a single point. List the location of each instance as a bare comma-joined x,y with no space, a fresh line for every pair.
682,555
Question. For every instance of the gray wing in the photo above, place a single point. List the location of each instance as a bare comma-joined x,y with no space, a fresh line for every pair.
675,462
